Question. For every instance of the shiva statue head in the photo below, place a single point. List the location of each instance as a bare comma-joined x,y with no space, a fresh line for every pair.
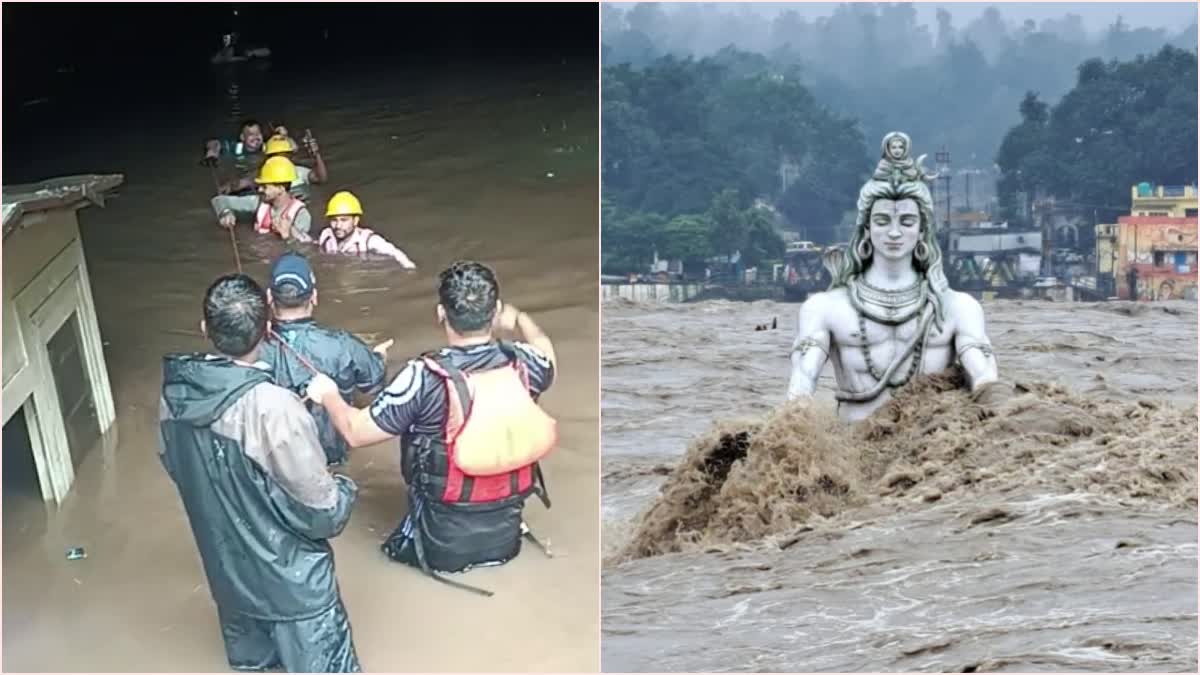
910,199
911,202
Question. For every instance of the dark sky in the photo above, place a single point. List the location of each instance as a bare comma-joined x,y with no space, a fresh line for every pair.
146,48
77,76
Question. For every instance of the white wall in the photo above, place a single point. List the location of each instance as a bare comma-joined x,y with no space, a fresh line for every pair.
650,292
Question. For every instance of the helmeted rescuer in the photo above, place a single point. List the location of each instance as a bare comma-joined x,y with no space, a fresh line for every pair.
346,235
282,146
348,360
240,196
244,455
279,145
280,212
471,431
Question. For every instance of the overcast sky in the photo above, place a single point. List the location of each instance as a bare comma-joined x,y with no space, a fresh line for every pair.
1096,15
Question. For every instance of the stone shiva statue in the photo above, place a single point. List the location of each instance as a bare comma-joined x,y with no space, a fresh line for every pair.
889,313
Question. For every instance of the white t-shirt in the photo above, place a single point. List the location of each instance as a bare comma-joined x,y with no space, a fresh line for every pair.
302,175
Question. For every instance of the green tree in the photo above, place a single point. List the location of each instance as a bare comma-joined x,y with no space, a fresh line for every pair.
762,239
1025,160
628,240
709,136
1123,123
685,238
728,222
944,85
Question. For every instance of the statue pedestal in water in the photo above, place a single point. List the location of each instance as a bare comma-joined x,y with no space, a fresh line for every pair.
50,323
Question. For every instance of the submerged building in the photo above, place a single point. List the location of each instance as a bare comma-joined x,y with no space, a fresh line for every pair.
57,398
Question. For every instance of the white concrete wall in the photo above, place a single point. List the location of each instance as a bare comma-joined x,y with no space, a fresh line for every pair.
997,241
650,292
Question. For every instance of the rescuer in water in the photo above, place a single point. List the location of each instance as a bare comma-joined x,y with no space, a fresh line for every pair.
245,150
347,359
279,212
301,187
346,235
245,457
471,432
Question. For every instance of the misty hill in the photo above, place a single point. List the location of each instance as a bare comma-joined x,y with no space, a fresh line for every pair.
947,85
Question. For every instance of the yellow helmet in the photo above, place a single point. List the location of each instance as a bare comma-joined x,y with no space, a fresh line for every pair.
343,204
276,171
278,145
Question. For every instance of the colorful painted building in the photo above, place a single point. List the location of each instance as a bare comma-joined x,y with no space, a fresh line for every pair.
1156,258
1176,201
1151,253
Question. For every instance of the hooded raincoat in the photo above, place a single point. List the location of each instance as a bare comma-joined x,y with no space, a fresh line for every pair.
262,505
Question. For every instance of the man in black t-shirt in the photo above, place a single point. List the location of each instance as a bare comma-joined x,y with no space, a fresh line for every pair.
450,527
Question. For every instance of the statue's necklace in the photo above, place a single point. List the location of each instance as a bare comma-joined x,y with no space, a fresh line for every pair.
889,307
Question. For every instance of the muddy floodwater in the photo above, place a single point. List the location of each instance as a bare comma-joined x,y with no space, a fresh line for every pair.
496,164
1055,532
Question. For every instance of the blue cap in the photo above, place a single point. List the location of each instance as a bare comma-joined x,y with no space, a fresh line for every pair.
293,269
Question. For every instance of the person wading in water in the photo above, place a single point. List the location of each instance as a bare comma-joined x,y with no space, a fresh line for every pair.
347,359
346,235
471,432
279,211
245,457
301,188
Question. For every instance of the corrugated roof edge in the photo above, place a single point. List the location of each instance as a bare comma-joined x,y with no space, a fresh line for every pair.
53,193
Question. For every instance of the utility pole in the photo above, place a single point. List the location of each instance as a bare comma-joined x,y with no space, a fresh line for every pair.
942,157
1047,216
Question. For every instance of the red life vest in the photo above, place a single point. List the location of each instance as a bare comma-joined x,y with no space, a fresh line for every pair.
493,436
263,219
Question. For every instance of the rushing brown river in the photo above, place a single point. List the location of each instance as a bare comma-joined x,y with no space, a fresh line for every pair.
497,164
1054,533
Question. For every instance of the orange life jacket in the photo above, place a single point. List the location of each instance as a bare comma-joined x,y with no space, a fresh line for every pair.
263,219
492,439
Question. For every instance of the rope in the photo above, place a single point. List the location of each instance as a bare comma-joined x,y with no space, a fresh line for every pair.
283,343
237,257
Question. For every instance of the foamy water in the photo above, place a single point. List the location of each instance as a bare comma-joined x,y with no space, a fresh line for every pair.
1055,532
